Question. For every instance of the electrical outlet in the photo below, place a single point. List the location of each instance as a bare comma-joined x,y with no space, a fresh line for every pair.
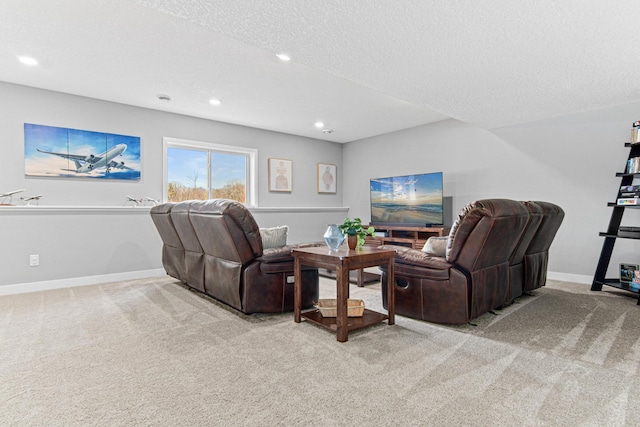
34,260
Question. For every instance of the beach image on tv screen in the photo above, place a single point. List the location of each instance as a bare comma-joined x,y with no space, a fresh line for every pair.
410,199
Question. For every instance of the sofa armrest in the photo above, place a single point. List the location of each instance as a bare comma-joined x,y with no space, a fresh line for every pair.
416,257
283,253
309,245
279,254
280,260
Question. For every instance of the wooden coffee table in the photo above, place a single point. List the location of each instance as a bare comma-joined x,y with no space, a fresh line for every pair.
341,261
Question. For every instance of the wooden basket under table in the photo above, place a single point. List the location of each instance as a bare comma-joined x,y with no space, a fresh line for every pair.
329,307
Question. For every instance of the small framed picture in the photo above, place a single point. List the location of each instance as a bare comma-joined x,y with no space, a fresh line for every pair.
627,272
280,175
327,178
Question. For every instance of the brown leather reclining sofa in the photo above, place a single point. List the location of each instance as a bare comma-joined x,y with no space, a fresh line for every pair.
496,250
215,247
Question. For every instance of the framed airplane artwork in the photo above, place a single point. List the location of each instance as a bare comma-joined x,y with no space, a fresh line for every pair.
62,152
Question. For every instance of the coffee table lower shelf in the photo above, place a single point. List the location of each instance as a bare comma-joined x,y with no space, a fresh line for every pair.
369,318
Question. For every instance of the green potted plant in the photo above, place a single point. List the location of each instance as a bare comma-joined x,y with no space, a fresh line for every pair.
355,232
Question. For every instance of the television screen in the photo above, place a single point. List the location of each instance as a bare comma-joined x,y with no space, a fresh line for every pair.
407,200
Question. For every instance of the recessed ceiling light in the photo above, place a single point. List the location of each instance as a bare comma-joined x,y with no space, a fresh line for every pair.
283,57
214,101
164,98
319,125
27,60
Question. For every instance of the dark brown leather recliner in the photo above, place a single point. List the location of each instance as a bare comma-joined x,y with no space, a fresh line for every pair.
225,259
473,277
536,258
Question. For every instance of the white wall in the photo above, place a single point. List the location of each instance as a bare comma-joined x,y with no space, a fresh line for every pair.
570,161
87,242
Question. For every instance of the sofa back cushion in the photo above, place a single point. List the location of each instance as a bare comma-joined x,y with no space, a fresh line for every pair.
533,224
172,249
182,223
552,217
161,216
193,254
486,232
536,258
226,230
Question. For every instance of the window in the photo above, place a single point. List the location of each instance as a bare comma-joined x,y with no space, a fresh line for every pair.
199,171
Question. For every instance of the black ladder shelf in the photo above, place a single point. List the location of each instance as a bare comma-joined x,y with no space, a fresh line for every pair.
613,231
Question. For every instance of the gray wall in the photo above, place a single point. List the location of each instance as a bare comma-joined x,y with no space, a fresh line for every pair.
570,161
20,104
87,242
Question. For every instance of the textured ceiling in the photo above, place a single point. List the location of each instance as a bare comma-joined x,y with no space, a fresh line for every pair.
362,67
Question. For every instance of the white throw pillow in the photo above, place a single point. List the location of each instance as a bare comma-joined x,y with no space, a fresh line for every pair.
274,237
436,246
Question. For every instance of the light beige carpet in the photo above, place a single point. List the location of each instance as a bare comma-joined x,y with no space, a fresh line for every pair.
150,352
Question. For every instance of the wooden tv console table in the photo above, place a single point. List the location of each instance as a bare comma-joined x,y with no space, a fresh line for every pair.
414,237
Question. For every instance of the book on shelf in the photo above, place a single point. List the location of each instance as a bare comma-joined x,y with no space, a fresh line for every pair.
627,272
635,134
628,191
630,201
629,228
635,282
633,165
631,232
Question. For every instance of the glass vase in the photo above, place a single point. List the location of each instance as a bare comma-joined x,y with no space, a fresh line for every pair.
333,237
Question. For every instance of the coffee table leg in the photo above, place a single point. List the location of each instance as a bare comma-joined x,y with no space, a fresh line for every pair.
342,320
297,290
360,281
391,292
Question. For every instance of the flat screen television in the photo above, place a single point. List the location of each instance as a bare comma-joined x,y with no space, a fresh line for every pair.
408,200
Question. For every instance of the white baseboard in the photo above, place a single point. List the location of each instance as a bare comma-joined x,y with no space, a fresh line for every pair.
566,277
78,281
131,275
